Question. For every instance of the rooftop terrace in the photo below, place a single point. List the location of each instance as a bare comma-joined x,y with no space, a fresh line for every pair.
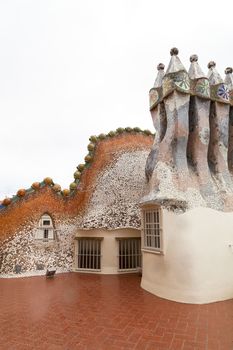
84,311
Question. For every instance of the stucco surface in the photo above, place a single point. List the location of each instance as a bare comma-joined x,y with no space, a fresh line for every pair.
197,263
109,246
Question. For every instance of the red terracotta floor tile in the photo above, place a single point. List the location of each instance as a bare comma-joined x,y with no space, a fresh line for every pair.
98,312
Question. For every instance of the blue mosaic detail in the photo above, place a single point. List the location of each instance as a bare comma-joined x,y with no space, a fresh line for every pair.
223,92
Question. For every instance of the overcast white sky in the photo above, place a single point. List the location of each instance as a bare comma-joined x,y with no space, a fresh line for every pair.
71,69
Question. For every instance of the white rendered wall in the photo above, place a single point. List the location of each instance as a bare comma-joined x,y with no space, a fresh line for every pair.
40,233
109,246
197,265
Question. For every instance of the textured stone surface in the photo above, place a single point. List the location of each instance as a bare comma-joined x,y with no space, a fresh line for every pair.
107,196
191,159
119,188
23,250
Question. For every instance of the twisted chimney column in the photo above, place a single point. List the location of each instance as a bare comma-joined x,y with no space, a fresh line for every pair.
170,179
158,114
158,117
192,154
219,120
229,83
176,101
199,131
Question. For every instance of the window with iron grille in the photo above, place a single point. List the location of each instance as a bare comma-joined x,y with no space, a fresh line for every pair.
151,226
89,253
129,253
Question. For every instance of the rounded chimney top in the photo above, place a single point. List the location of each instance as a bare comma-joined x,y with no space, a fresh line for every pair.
174,51
211,64
228,70
193,58
160,66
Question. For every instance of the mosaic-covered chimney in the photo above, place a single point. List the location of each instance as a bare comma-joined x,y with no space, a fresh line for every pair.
191,161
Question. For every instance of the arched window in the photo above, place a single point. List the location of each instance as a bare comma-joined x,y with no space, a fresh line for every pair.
45,231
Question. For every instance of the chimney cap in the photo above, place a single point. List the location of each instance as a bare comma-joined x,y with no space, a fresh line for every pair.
160,66
193,58
228,70
174,51
211,64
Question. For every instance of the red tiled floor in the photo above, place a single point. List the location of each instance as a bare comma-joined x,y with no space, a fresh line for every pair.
84,311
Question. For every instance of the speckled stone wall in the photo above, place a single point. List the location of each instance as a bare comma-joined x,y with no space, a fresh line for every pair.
119,188
106,196
23,252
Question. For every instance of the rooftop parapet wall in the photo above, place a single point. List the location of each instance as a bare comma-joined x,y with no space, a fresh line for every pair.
190,163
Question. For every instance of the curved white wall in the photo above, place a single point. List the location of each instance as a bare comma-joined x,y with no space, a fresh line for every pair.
197,265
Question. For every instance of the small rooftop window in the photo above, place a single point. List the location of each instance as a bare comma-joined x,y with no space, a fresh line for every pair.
45,231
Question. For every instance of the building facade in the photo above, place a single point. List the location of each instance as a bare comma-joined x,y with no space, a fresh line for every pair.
158,203
187,208
92,227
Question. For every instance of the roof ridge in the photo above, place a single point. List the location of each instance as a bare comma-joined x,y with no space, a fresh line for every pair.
94,140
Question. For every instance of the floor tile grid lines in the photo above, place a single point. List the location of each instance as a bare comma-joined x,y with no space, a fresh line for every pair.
106,312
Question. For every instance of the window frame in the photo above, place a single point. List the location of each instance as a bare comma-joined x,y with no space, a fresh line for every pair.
125,256
46,222
151,209
39,235
84,269
46,235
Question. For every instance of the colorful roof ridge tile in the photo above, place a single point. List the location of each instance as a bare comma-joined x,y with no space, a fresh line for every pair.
66,193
